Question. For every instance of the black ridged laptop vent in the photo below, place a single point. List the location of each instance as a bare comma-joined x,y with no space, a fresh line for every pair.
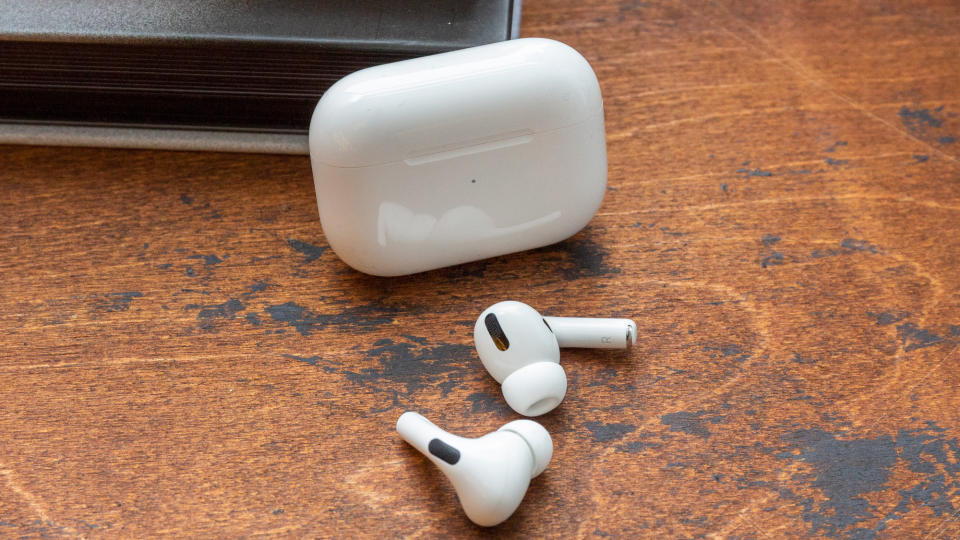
262,88
215,64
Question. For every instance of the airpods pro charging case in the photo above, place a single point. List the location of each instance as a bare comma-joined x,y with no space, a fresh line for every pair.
459,156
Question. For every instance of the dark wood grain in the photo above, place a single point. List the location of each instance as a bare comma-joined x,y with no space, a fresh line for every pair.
182,355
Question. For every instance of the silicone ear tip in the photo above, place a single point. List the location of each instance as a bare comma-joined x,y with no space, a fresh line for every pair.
537,438
536,388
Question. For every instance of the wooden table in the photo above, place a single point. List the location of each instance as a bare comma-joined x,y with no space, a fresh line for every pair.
183,356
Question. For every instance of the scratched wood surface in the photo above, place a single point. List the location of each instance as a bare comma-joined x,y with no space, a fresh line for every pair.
182,355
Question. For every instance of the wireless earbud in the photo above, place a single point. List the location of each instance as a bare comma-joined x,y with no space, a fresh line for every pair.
521,349
490,474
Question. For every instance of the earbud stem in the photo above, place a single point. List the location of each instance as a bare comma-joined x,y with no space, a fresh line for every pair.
418,431
593,333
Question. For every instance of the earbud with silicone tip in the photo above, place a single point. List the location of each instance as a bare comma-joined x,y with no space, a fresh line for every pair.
491,473
521,349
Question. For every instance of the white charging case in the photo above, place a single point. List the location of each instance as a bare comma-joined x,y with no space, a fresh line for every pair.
459,156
